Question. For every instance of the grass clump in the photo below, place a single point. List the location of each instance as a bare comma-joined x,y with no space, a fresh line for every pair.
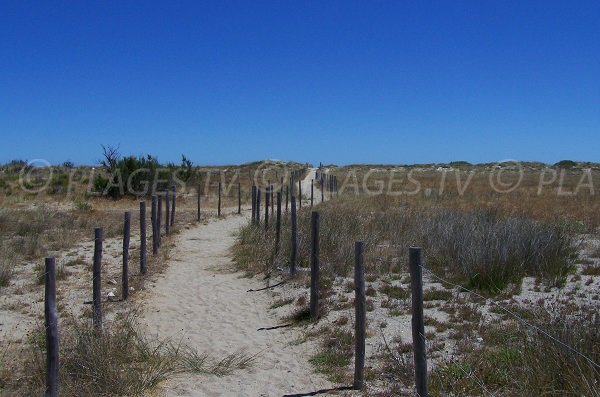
516,360
335,355
395,292
123,360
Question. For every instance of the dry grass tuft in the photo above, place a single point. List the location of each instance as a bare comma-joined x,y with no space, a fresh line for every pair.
123,361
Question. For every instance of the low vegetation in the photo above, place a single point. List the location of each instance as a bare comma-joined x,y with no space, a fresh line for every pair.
121,361
480,248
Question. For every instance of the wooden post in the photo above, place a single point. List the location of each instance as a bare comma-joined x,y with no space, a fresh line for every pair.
278,223
314,266
239,198
142,237
322,189
258,194
312,183
300,192
253,204
267,205
126,236
154,221
294,251
167,212
360,305
418,327
272,189
287,194
198,204
51,324
158,219
173,205
97,280
219,204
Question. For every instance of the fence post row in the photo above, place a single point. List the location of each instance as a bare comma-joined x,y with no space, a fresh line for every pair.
51,324
418,327
173,205
126,236
294,250
97,280
314,265
360,305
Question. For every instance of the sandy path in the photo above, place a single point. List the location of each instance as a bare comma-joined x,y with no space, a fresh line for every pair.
311,175
202,301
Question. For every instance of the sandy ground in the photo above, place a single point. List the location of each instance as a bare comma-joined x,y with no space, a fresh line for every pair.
306,182
202,301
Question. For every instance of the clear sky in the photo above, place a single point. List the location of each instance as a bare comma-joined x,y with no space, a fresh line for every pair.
333,81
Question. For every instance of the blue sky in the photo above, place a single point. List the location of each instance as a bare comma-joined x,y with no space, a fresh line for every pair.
339,82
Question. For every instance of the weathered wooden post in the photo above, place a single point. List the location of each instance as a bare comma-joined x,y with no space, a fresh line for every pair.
312,186
314,265
267,205
258,194
142,237
126,237
418,326
239,198
272,190
51,324
322,189
219,204
167,212
173,205
278,223
97,280
360,305
253,204
154,220
294,250
300,192
159,220
198,194
287,194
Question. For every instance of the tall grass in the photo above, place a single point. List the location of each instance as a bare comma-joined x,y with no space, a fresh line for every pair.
483,248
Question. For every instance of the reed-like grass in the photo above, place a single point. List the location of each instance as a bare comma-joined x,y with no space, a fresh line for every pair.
482,248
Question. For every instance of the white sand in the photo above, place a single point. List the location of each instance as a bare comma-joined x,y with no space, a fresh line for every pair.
310,176
202,301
